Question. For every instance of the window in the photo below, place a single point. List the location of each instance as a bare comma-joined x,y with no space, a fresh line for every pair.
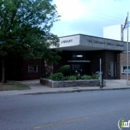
124,69
32,68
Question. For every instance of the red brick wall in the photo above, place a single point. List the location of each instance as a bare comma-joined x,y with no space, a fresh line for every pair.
110,56
123,62
26,75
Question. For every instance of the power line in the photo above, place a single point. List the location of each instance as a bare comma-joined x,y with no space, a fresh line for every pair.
104,16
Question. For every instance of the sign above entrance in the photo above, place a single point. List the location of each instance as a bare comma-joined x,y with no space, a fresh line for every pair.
69,41
105,42
66,41
89,43
102,43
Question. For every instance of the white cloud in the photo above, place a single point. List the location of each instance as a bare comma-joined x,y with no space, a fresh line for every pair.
89,16
69,9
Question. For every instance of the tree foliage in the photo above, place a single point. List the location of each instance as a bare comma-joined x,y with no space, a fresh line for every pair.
25,28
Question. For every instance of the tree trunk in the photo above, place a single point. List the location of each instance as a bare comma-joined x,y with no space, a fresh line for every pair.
3,71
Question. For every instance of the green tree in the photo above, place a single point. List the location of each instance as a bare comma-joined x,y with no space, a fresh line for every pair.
25,29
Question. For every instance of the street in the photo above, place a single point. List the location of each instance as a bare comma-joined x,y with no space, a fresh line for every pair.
96,110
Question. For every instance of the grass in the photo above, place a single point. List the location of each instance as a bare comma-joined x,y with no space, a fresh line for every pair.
12,85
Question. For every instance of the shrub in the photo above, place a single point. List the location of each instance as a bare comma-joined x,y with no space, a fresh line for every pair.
86,77
95,76
72,77
65,70
57,76
45,76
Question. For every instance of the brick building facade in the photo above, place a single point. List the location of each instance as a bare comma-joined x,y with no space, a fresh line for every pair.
82,53
123,65
19,69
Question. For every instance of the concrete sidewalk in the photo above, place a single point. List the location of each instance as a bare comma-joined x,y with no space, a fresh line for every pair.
36,88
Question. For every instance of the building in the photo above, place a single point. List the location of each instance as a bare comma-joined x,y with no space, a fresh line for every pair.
83,54
115,32
19,69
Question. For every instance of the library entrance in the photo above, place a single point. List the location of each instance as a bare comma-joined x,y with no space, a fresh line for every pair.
80,68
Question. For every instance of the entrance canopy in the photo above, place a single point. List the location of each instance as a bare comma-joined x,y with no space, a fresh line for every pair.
89,43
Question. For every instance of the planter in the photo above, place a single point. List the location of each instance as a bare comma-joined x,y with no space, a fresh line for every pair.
69,83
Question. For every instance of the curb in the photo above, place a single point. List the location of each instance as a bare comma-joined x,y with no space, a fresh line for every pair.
72,91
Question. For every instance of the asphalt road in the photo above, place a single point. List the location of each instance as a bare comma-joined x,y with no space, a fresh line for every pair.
96,110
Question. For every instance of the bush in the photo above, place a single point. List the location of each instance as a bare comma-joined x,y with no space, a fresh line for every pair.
95,76
57,76
84,77
72,77
45,76
65,70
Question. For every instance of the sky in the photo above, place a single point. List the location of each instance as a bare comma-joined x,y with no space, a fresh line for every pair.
89,16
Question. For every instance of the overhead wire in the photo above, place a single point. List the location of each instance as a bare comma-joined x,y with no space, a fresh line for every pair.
103,16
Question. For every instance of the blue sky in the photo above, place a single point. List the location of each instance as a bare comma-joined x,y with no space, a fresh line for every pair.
89,16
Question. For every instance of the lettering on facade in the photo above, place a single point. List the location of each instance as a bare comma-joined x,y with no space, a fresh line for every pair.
66,41
94,41
109,43
102,42
89,40
105,42
118,44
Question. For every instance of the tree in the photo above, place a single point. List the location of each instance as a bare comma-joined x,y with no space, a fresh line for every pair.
25,29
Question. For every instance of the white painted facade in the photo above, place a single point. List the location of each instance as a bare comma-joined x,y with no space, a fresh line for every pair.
125,35
112,32
89,43
115,32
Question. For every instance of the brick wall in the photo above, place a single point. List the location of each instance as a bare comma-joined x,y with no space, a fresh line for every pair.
110,56
107,57
95,61
123,62
32,75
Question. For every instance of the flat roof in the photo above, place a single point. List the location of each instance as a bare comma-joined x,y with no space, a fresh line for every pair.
92,36
86,42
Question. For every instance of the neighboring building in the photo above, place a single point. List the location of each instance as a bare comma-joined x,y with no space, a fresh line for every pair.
115,32
123,64
19,69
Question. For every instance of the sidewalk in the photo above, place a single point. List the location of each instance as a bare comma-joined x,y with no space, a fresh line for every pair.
36,88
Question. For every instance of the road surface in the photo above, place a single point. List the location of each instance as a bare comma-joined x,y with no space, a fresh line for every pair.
96,110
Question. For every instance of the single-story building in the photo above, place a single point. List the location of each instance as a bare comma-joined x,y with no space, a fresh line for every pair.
82,53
